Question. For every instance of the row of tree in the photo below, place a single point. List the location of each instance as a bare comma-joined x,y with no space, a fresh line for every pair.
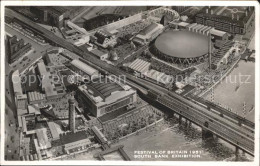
133,126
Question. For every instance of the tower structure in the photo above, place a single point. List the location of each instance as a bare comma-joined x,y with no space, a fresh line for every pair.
210,52
72,115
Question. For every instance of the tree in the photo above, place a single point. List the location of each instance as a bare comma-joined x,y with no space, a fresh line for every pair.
124,132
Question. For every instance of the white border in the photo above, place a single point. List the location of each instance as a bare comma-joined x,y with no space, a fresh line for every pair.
133,3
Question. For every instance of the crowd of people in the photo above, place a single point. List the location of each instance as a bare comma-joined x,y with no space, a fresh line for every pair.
132,29
131,123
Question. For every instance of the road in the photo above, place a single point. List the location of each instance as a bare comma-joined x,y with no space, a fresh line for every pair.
39,50
11,129
228,127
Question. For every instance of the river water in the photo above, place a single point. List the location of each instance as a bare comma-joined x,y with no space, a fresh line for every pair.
170,136
237,89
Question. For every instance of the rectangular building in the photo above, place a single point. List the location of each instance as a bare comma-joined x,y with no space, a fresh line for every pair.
104,96
100,54
49,83
53,15
149,33
73,142
234,20
83,68
16,48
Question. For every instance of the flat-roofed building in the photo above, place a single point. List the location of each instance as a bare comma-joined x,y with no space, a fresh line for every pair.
140,66
83,68
21,101
36,97
15,48
179,24
75,141
49,83
34,109
54,132
42,138
217,34
231,19
159,77
101,97
100,54
53,15
17,87
149,33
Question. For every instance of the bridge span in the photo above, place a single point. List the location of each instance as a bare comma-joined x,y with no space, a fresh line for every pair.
235,133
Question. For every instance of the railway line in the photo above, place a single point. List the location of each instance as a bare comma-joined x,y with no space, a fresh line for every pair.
234,133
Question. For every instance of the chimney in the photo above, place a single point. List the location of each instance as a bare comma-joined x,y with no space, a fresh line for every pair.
237,17
207,11
72,115
211,11
232,16
246,13
209,50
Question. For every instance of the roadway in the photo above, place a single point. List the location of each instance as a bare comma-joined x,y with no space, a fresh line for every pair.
12,138
222,127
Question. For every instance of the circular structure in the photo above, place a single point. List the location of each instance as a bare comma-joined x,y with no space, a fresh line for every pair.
181,46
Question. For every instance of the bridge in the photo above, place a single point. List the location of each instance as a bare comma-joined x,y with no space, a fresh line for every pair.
239,136
223,112
242,137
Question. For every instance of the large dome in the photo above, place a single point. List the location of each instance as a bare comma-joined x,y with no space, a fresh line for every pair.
181,45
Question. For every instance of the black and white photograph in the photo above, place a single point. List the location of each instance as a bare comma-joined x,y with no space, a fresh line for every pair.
129,83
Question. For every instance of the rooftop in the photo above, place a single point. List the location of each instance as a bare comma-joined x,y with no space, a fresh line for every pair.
98,52
84,67
59,10
73,137
217,32
16,83
53,129
103,88
42,138
225,15
102,35
48,85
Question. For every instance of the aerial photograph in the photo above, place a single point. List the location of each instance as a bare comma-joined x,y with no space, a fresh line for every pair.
129,83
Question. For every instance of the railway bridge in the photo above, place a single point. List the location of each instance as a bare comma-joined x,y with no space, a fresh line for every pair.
221,124
215,121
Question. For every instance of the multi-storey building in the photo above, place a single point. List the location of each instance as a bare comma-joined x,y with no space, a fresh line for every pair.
105,96
16,48
51,15
230,20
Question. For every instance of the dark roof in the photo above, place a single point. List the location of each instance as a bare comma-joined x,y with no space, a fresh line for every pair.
73,137
104,88
59,10
102,35
226,19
